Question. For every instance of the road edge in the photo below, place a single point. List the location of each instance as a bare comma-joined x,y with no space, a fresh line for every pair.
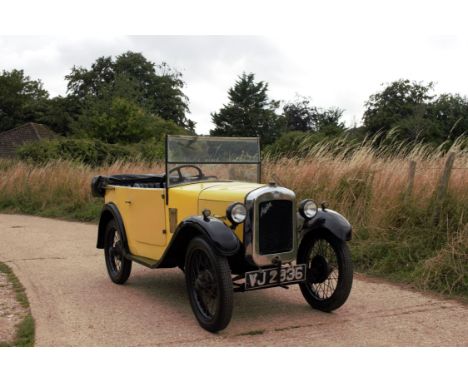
26,329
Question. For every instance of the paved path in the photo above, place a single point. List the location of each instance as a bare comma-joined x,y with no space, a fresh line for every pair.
75,304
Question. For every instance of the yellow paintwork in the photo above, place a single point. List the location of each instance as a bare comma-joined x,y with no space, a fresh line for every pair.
146,214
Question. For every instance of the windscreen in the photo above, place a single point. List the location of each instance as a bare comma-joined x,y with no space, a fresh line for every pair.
201,158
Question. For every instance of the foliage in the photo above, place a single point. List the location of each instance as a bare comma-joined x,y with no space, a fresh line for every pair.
60,112
447,271
249,112
21,99
450,111
121,121
293,143
400,99
301,116
405,111
89,151
155,88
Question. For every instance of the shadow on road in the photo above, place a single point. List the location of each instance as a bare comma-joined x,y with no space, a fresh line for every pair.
167,288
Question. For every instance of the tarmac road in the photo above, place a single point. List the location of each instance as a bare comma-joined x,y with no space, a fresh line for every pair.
75,304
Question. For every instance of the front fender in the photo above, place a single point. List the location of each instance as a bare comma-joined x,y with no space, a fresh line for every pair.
327,219
220,236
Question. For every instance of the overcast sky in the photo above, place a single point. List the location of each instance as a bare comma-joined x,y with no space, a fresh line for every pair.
337,70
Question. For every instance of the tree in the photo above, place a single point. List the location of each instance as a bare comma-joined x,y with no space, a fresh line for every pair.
399,100
451,112
249,112
60,112
416,128
122,121
301,116
21,99
156,88
405,111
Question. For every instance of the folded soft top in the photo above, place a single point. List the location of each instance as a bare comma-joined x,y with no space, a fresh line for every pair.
99,183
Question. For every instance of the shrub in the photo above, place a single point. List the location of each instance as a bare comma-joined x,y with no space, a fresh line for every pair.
89,151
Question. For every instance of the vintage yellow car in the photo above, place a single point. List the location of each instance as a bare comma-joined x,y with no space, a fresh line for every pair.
211,216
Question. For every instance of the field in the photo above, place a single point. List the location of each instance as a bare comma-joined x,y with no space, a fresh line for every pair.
406,228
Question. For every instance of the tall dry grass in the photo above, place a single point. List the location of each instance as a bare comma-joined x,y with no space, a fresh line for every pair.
365,184
394,234
58,188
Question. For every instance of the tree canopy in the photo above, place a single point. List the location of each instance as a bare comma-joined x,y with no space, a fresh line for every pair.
300,115
156,88
21,99
122,121
397,101
407,111
249,112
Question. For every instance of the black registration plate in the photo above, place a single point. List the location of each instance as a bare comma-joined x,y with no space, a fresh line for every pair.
273,276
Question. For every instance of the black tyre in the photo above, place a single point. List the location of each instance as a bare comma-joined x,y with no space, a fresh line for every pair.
118,267
209,285
329,274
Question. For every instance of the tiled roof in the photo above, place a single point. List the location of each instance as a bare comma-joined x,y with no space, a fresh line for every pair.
10,140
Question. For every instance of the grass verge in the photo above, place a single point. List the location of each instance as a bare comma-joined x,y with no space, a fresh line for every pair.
25,330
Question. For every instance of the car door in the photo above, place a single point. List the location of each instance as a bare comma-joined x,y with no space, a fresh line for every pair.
146,227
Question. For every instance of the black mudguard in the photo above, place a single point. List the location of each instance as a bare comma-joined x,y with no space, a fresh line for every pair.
329,220
218,234
109,212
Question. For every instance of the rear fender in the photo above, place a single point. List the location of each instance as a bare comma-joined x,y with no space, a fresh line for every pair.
111,212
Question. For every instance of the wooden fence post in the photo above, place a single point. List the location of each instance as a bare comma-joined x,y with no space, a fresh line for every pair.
411,174
442,187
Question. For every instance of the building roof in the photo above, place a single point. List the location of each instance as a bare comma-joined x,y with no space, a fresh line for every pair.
11,139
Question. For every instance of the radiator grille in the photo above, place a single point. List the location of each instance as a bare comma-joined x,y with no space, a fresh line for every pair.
275,226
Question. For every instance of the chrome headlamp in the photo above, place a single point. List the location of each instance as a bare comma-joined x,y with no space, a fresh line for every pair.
236,213
308,208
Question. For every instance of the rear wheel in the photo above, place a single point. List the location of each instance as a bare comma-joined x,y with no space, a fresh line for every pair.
329,274
209,285
118,267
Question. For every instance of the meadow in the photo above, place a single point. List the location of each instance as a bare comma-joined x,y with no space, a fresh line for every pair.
405,227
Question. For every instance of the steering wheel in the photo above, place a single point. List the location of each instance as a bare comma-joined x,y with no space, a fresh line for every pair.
181,177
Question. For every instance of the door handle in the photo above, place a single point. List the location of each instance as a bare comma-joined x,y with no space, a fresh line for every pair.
128,201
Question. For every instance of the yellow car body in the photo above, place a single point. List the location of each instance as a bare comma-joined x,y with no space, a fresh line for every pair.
147,216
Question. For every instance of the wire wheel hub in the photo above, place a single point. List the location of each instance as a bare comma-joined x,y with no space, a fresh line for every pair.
115,252
320,269
204,284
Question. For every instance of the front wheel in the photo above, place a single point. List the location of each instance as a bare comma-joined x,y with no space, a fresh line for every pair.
329,274
209,285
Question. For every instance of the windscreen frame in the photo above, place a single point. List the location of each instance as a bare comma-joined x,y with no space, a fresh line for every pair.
234,139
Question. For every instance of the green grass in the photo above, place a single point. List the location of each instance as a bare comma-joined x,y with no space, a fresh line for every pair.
417,250
25,330
88,211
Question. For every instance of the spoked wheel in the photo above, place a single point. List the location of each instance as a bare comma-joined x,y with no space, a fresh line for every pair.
118,267
209,285
329,275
